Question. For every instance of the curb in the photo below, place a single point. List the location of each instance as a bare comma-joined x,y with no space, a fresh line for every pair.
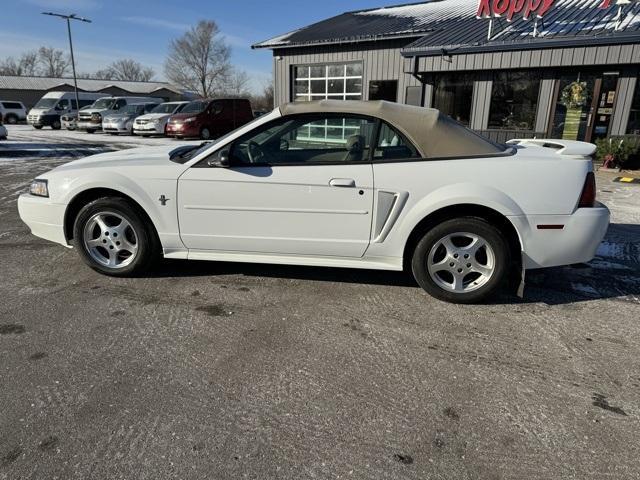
627,180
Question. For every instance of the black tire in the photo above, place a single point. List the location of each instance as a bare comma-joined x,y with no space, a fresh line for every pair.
90,131
489,285
38,127
11,119
148,246
56,125
205,133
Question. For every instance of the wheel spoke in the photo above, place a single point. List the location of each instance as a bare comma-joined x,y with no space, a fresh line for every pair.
448,244
458,282
101,223
127,246
483,270
97,242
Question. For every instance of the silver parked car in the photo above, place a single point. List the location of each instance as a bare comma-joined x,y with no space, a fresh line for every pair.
122,122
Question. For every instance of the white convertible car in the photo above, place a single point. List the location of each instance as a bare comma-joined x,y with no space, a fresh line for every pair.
333,183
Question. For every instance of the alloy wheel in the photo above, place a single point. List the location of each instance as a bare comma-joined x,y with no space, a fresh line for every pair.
110,240
461,262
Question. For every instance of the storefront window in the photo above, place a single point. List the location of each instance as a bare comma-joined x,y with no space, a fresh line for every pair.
335,81
452,95
633,127
514,100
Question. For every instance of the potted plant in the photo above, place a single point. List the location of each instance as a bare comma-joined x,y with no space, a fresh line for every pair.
613,153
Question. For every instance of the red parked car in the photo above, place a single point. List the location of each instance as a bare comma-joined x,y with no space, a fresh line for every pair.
209,118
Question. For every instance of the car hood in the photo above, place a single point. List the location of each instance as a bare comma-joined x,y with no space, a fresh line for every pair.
122,159
154,116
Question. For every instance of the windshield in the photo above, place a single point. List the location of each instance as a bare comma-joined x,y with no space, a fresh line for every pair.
165,108
130,109
194,107
46,103
104,103
184,154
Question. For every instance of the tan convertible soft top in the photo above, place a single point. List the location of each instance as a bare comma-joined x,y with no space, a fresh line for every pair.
433,133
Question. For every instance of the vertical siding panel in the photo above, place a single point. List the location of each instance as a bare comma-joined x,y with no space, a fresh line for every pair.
625,53
545,99
567,56
622,108
590,55
601,55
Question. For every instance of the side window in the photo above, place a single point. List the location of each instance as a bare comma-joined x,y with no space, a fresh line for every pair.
63,104
216,108
85,103
120,103
307,140
12,105
392,145
149,106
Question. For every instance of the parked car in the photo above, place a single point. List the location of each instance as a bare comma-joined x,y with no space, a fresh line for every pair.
50,108
69,121
90,120
12,112
209,118
3,131
342,184
122,122
155,122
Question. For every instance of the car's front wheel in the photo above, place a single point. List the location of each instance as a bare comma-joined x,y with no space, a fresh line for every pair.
463,260
113,238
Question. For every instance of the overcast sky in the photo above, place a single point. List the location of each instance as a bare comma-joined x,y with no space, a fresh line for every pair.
142,29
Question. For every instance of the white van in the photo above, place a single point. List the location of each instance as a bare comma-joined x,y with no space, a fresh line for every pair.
90,119
49,108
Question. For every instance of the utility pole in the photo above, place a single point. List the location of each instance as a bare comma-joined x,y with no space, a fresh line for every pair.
68,18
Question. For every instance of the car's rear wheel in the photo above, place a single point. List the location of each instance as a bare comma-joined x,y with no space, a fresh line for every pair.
56,125
113,238
205,134
38,127
11,119
463,260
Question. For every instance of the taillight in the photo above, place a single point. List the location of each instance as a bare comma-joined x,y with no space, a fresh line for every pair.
588,197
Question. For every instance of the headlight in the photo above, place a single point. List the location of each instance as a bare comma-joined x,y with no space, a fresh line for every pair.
155,121
189,120
39,188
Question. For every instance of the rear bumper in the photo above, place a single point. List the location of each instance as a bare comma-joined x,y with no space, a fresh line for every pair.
576,242
44,219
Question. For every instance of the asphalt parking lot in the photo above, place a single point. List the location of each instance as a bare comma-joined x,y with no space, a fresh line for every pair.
219,370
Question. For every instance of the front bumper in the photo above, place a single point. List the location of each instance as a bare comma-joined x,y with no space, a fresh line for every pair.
148,129
116,127
44,219
85,125
42,120
576,242
182,130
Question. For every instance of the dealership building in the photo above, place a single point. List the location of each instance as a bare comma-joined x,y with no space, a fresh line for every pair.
506,68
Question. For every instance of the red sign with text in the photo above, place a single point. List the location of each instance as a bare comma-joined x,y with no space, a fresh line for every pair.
511,8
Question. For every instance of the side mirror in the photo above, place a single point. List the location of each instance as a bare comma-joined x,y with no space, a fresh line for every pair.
223,159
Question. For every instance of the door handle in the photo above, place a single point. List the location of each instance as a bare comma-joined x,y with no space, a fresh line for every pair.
342,182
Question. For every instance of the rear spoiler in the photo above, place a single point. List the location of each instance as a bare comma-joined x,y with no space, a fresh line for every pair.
562,147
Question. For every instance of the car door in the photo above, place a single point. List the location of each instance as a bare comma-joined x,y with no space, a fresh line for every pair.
299,185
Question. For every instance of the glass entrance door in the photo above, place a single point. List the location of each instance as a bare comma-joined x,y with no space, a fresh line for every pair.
574,107
583,106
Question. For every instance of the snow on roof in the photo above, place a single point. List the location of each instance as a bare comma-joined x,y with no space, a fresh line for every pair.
453,23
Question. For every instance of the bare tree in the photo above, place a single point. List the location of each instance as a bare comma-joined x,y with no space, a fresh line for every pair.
53,62
237,84
126,69
264,100
27,65
199,60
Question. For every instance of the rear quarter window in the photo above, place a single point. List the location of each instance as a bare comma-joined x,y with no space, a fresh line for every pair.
12,105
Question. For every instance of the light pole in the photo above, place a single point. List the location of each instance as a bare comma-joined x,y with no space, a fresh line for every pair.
73,16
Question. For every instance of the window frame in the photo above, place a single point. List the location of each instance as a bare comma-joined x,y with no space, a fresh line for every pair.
309,97
302,116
